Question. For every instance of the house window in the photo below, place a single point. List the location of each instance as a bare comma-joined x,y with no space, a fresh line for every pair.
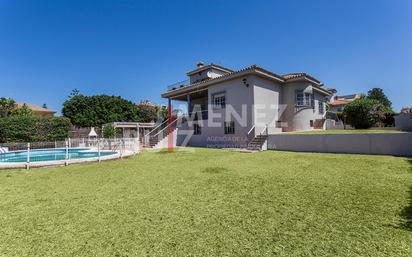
299,97
308,99
230,127
321,107
219,100
304,99
197,129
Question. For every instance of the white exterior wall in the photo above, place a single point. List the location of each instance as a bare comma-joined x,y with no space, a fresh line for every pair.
373,143
299,119
267,102
259,103
212,135
214,73
403,121
205,74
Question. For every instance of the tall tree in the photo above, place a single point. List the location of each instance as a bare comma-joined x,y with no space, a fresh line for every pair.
379,95
364,113
94,111
149,111
7,106
22,111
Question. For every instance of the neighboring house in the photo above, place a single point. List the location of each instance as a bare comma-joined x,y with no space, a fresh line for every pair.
337,103
403,120
232,107
37,110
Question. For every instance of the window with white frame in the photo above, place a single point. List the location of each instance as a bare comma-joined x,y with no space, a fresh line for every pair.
230,127
219,100
299,97
304,99
307,99
321,107
197,129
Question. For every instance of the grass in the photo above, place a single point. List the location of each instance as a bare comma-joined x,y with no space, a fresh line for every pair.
211,203
346,131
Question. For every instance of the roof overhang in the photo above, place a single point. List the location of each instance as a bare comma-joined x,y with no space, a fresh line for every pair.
253,70
209,66
305,78
322,91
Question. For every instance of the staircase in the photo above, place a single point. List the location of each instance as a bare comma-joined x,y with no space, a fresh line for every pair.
257,143
318,124
151,139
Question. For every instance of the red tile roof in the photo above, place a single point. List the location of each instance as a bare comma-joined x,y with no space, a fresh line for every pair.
340,102
282,78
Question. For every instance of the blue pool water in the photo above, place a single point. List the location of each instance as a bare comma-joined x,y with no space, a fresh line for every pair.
52,155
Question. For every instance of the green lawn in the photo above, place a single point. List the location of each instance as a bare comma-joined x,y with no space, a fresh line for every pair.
211,203
346,131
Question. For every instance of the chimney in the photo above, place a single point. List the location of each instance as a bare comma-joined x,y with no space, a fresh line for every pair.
200,64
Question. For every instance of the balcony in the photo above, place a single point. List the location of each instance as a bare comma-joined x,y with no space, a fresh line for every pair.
178,85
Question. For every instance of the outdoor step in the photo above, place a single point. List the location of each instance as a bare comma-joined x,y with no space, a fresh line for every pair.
259,140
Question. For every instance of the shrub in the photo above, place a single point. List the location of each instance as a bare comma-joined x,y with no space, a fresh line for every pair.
33,128
340,115
364,113
109,131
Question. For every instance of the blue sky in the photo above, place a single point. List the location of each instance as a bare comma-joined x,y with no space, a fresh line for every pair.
136,48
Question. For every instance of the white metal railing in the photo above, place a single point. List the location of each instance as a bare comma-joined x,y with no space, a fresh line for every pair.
168,126
146,137
263,132
179,84
251,129
161,131
157,127
67,150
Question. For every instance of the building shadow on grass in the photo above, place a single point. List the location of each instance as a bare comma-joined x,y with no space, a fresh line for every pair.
407,212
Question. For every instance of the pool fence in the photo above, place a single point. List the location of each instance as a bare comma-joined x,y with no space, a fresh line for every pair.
71,150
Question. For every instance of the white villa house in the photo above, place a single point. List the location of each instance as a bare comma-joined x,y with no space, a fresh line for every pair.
228,108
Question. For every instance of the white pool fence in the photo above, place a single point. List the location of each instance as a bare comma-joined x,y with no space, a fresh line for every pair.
71,150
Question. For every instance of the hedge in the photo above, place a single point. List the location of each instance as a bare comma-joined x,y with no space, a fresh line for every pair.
33,129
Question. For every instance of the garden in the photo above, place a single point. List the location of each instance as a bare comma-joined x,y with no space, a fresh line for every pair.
210,202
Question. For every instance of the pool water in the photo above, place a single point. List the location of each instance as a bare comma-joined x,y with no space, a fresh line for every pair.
52,155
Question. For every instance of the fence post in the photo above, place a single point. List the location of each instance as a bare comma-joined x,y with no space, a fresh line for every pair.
98,149
67,153
121,147
70,143
28,156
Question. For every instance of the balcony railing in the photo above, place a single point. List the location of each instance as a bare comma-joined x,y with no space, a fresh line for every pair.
178,85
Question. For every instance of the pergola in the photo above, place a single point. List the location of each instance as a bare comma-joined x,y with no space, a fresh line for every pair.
132,129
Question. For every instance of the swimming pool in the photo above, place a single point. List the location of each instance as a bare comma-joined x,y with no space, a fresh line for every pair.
57,154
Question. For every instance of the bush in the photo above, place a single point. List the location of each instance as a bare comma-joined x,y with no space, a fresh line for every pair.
33,128
364,113
109,131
